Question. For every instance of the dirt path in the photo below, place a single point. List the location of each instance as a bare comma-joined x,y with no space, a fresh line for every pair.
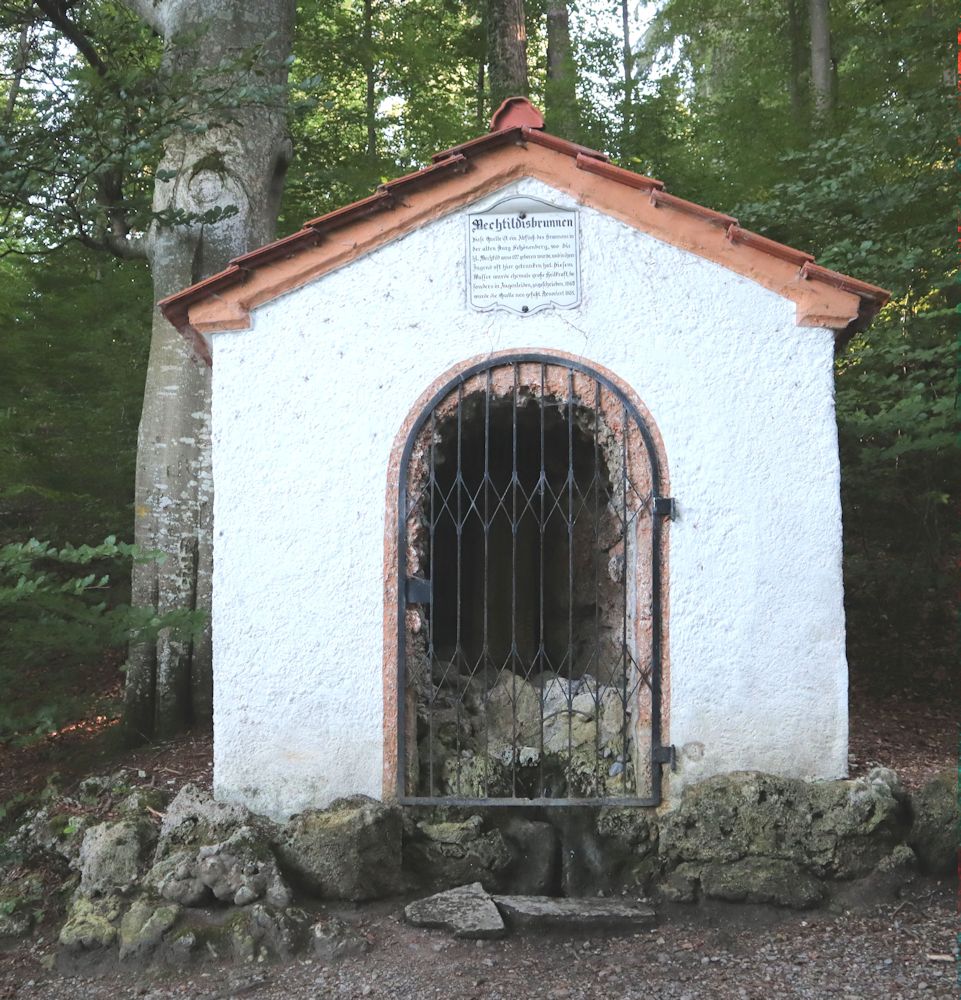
904,950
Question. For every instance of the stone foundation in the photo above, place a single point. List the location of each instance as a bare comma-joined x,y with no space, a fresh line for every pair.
214,880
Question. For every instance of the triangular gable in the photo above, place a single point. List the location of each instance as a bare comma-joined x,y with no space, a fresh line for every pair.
459,176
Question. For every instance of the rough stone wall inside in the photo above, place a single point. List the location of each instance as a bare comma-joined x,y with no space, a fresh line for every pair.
307,406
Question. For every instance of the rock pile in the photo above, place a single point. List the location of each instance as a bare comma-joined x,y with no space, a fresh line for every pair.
149,880
556,736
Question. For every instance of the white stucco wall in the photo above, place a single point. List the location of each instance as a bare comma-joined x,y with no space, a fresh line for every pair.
306,407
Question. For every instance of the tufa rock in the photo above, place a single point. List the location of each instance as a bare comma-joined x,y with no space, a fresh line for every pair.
111,856
90,924
351,850
467,911
143,927
43,832
241,870
512,712
176,878
839,829
883,885
194,819
450,853
143,802
936,828
762,880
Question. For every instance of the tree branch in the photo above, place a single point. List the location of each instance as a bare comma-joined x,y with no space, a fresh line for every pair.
149,11
124,247
56,14
19,68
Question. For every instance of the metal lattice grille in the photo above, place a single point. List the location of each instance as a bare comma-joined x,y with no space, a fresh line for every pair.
529,626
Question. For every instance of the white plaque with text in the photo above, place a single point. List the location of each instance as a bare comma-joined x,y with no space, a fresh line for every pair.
522,255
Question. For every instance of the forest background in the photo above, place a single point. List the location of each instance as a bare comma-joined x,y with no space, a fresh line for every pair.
827,126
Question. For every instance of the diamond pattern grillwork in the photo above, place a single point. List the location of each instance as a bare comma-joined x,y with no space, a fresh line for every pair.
529,504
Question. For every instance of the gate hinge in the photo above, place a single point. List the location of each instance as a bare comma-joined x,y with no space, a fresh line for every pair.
666,755
417,590
666,506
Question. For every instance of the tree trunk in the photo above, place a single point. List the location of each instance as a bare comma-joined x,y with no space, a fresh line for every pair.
627,113
239,162
506,50
561,90
822,72
796,45
371,80
17,69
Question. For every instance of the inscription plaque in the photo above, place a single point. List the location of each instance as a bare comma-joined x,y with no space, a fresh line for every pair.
523,256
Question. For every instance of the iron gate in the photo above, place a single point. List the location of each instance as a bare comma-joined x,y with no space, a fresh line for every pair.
529,606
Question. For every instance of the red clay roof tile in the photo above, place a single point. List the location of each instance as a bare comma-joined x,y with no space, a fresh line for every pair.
518,122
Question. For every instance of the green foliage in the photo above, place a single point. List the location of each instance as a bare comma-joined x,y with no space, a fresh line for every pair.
71,385
55,606
720,110
80,151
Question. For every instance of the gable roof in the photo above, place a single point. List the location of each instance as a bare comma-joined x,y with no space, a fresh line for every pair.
516,148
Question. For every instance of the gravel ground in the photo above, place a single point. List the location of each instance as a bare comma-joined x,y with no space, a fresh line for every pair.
902,950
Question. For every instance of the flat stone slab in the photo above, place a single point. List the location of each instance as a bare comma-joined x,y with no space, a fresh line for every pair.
468,912
549,912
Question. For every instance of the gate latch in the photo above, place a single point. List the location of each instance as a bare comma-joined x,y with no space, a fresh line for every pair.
666,755
666,506
417,590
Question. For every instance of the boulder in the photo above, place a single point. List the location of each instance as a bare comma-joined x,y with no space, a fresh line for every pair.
90,924
44,832
936,828
762,880
111,856
583,714
883,885
253,933
839,829
351,850
467,912
195,819
144,802
176,877
512,712
242,870
143,927
450,853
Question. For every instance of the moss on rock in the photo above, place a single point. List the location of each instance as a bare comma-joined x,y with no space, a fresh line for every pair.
90,924
837,829
351,850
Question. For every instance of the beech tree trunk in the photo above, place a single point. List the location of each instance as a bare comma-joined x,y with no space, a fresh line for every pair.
795,27
822,65
506,50
627,114
561,89
239,163
370,77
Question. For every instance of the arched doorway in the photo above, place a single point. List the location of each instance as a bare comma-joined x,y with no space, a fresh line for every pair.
529,591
